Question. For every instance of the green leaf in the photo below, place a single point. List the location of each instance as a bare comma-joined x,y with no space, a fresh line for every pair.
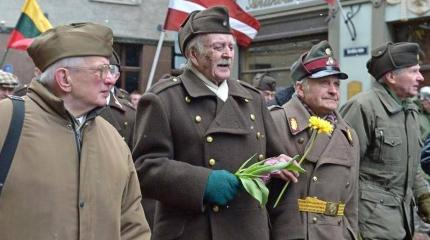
246,162
263,188
295,167
252,188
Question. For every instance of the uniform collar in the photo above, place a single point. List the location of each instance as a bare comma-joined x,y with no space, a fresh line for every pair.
386,98
196,87
114,102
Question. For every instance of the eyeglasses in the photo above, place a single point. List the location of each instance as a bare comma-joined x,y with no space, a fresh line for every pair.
102,69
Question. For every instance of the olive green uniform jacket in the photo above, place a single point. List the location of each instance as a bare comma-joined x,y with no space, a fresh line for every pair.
56,191
121,114
331,175
389,180
183,131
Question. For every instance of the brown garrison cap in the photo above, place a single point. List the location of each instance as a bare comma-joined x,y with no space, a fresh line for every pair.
392,56
317,63
8,80
74,40
210,20
264,82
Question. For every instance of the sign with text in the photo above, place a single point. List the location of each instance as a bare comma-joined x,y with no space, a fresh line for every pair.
354,51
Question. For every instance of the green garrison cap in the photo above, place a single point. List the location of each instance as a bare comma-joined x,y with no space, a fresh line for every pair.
392,56
317,63
210,20
74,40
264,82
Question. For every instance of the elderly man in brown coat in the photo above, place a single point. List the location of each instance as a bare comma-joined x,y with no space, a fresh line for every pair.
193,131
71,176
323,204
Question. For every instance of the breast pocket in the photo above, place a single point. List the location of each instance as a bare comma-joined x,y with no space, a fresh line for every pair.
387,145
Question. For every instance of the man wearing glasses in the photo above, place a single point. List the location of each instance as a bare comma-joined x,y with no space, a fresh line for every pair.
71,176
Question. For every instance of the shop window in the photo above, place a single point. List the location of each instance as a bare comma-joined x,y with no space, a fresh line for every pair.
130,56
275,57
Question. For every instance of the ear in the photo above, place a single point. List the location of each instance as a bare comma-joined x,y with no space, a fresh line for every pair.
299,89
63,80
193,56
390,78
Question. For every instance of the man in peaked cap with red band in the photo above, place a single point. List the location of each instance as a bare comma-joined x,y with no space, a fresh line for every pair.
323,204
194,131
386,121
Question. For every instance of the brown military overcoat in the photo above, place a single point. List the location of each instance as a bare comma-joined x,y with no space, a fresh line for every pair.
55,191
331,175
183,131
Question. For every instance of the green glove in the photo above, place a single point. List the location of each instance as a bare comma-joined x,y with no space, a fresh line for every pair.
424,207
221,188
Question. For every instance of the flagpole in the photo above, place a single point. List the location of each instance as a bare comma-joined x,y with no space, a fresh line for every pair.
156,57
4,57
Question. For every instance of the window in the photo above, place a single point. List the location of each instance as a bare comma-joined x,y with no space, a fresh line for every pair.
130,56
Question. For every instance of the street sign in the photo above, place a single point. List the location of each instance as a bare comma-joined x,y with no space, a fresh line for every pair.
354,51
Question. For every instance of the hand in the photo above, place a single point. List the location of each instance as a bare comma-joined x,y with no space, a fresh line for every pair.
424,207
221,187
283,174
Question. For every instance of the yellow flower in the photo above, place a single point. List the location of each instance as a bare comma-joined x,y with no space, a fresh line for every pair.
320,125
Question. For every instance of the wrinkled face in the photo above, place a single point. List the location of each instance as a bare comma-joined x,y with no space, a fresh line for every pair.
321,94
405,82
90,85
215,61
4,92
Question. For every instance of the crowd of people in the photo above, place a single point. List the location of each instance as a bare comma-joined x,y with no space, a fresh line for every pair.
80,161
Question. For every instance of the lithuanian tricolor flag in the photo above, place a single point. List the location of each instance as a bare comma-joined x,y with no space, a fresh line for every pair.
31,23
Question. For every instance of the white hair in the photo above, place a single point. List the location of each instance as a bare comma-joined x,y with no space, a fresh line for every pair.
48,76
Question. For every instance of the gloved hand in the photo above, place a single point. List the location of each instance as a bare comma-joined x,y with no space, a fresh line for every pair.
221,188
424,207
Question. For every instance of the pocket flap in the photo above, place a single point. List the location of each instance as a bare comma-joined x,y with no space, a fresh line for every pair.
383,198
392,141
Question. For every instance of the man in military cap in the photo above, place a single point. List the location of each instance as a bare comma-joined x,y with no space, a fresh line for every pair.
72,176
266,84
8,82
193,131
386,121
323,204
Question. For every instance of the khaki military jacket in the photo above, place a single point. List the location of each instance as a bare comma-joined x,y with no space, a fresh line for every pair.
389,166
53,191
121,114
183,131
331,175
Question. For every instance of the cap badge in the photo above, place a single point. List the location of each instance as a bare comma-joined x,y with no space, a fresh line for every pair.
293,124
328,51
330,61
224,23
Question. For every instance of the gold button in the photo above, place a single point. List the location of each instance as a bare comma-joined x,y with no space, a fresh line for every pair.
175,79
209,139
198,119
252,116
125,123
301,140
215,208
314,220
258,135
246,100
212,162
347,184
187,99
261,157
314,178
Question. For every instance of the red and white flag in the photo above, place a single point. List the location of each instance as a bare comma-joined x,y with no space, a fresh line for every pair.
245,27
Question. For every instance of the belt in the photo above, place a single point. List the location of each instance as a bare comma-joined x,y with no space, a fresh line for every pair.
314,205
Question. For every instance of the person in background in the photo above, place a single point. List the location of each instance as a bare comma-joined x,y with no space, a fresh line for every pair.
8,82
424,107
331,166
386,121
135,97
282,96
72,176
266,84
194,131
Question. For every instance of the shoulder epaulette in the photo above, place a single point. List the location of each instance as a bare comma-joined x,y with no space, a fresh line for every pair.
163,84
247,85
274,107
